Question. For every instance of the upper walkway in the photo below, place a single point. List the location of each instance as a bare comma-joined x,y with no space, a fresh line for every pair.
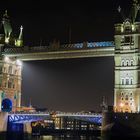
57,51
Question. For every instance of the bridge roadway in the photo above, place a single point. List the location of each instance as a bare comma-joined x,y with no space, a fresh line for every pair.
56,51
24,117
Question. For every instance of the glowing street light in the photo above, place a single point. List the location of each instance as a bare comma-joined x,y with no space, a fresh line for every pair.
19,62
121,104
6,59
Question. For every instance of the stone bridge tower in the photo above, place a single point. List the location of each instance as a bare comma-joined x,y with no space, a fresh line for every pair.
127,64
10,68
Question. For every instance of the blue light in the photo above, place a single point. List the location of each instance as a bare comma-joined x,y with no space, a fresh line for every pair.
100,44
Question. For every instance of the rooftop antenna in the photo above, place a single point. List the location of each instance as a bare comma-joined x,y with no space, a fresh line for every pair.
69,34
121,13
104,104
30,104
40,41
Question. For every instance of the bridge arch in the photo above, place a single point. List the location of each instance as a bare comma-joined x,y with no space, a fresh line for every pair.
6,105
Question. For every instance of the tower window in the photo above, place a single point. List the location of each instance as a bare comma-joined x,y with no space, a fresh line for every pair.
126,97
132,62
122,81
10,70
127,39
127,81
9,84
131,81
15,72
127,63
4,69
5,84
126,103
122,63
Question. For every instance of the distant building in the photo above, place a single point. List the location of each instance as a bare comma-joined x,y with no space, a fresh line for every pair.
70,123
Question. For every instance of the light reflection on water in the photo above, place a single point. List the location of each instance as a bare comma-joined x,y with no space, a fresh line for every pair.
62,137
50,137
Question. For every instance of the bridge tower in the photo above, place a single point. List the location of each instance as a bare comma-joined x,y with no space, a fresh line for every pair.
127,64
10,68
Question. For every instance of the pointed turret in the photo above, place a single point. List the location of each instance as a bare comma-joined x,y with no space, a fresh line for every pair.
2,38
21,33
7,27
19,41
135,9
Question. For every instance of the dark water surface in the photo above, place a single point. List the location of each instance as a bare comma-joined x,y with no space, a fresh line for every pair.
60,137
47,137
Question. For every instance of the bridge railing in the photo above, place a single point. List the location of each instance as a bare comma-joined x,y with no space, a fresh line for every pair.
79,114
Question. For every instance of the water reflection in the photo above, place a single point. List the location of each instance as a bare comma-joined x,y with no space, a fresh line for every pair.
47,137
59,137
67,137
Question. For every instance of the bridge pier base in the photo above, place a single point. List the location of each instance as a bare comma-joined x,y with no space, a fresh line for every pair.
3,121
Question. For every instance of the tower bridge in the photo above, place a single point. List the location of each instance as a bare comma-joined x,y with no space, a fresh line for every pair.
125,49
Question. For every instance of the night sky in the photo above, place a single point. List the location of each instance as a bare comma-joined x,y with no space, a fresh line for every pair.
70,84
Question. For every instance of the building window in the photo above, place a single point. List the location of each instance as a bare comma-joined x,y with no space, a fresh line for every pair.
122,63
5,84
15,72
4,69
122,81
10,70
127,39
131,81
122,98
131,93
126,97
126,103
132,62
9,84
127,62
127,81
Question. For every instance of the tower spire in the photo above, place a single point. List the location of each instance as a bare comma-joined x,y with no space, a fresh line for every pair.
121,13
135,9
19,41
7,26
21,33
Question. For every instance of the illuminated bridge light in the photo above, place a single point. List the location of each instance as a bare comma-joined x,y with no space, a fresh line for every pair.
100,44
78,45
19,62
14,118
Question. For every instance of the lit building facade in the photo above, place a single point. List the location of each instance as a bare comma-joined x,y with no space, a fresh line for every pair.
127,65
10,81
69,123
